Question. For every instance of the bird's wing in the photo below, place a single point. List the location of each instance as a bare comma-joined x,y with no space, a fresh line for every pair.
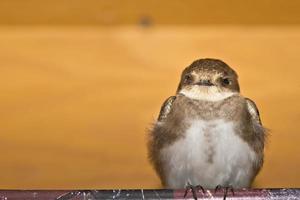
253,111
260,133
166,108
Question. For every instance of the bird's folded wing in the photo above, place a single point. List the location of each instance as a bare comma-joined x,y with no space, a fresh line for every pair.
253,111
166,108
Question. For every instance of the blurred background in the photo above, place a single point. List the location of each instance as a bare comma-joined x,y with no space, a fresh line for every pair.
81,81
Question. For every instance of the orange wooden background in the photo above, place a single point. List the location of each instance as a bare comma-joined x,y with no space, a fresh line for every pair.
124,12
76,101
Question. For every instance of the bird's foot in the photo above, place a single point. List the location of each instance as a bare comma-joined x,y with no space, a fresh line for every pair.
225,189
87,194
194,190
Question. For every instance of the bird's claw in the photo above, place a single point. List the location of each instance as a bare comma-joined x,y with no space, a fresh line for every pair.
194,190
226,189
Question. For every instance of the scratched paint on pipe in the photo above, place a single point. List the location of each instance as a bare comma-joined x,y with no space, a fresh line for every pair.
257,194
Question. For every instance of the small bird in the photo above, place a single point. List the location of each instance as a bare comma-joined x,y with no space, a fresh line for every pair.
208,134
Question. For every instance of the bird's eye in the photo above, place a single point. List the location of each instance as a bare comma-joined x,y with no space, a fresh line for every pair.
188,78
225,81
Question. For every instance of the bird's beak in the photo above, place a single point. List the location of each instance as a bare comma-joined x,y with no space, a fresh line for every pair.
205,83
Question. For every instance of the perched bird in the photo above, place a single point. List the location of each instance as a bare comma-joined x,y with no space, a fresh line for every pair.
208,134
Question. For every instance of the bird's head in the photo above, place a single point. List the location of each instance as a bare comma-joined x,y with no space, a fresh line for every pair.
208,79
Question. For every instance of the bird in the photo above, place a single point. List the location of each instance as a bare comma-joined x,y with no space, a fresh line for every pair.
208,133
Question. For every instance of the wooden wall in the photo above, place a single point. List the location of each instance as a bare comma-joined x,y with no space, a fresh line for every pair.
76,101
117,12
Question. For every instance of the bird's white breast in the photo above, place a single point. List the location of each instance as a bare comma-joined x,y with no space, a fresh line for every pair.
210,154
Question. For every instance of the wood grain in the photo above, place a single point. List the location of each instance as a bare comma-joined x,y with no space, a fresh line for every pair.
124,12
76,101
